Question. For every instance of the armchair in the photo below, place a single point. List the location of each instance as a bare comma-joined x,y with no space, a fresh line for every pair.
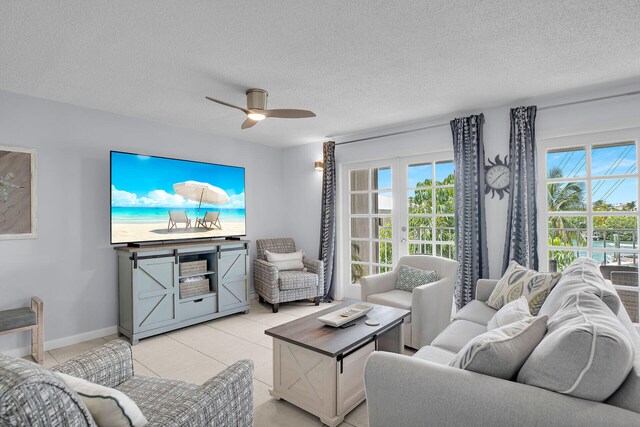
32,395
276,286
430,304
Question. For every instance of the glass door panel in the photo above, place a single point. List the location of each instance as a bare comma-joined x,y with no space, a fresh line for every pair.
429,207
370,221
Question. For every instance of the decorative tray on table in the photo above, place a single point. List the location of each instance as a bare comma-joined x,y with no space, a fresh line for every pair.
345,315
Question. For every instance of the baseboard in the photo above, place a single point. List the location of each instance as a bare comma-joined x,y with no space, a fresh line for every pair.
65,341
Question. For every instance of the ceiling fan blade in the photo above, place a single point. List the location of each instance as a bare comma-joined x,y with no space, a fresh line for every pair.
288,113
228,105
248,123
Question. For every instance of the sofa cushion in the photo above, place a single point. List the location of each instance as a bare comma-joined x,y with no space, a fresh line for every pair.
628,394
583,275
501,352
457,335
395,298
157,397
108,406
296,280
410,277
520,281
587,353
286,261
477,312
17,318
435,355
510,313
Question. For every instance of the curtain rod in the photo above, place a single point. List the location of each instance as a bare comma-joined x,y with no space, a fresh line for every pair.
548,107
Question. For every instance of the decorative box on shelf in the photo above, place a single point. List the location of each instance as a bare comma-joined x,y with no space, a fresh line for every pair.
192,268
192,288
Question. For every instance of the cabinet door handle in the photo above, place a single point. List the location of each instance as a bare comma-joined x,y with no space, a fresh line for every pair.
198,300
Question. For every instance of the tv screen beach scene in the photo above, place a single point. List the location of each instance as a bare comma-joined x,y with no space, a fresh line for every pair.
156,199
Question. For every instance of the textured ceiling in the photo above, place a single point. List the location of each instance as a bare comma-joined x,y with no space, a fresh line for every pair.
357,64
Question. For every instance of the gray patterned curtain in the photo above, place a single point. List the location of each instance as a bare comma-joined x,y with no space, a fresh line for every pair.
471,235
328,220
521,243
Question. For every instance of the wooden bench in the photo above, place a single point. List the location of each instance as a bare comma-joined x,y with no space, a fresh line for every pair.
23,319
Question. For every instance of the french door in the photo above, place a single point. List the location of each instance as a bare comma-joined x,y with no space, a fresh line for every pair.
391,208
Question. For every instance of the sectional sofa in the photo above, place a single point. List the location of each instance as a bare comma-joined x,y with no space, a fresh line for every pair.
424,390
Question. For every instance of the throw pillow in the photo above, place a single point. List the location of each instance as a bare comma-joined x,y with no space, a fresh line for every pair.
108,406
287,261
587,353
409,278
511,312
501,352
582,275
519,281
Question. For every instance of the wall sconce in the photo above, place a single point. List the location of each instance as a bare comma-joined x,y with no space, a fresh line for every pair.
319,165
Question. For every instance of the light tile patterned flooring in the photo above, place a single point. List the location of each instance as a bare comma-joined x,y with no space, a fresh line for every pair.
199,352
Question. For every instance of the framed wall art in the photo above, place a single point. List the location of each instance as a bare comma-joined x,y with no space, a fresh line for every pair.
18,197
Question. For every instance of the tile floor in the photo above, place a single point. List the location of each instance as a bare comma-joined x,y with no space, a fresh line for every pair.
199,352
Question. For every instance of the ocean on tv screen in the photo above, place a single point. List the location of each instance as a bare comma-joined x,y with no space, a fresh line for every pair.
154,198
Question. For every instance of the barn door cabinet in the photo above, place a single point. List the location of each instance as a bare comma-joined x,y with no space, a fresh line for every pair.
170,286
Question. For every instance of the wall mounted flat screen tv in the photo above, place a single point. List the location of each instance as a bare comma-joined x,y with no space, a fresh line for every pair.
157,199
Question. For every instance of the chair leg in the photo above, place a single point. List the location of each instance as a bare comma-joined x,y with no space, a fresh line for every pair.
37,333
276,306
260,298
316,300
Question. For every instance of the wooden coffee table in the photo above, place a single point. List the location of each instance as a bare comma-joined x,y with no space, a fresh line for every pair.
321,369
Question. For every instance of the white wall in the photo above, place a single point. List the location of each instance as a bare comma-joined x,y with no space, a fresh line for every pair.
71,264
303,196
610,114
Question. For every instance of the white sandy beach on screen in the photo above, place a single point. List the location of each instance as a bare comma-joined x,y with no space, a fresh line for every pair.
140,232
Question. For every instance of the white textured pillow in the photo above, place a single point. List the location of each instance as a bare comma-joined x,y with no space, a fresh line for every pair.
288,261
587,353
108,406
512,312
501,352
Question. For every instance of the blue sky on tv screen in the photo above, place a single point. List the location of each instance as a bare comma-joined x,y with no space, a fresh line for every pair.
144,181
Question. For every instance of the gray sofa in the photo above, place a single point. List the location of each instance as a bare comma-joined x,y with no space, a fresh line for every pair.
31,395
423,390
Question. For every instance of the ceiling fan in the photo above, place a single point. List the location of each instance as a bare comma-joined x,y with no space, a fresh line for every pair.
257,109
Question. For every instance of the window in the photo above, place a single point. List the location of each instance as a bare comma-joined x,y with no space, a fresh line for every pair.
370,221
591,210
430,209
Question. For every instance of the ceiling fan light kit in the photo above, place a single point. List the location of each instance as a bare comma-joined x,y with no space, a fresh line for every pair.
257,109
256,116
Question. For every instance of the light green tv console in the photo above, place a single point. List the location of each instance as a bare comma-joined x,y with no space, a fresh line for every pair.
150,279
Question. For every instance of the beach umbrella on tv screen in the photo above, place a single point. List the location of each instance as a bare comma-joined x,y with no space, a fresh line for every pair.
201,192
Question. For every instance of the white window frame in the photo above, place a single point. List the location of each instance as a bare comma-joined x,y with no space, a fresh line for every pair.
586,141
405,163
400,217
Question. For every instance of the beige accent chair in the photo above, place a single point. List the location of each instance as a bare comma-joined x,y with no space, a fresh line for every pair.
430,304
213,218
178,217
